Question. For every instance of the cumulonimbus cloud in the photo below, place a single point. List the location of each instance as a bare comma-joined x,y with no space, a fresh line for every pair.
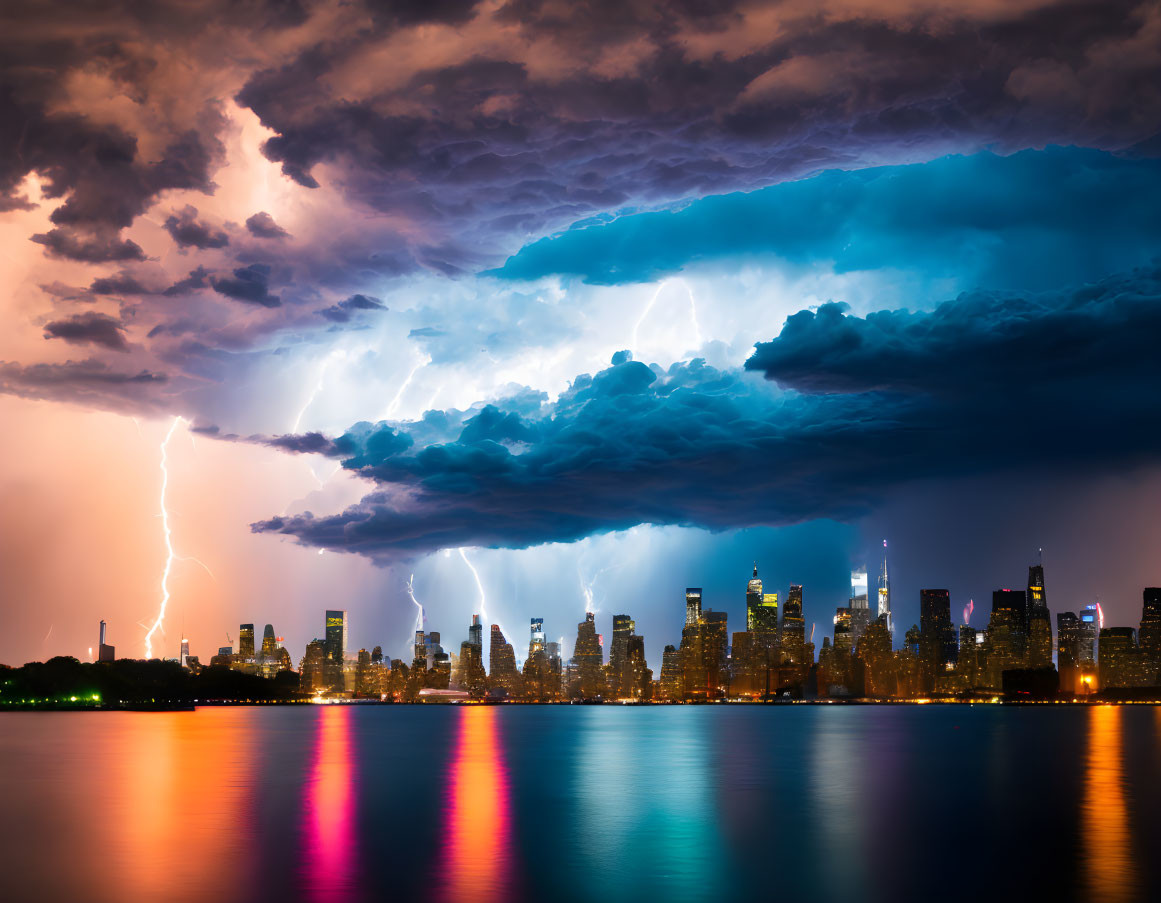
982,383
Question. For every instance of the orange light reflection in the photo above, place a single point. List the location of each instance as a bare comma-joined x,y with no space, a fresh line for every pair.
477,851
1109,869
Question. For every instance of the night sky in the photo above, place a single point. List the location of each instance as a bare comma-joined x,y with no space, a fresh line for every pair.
599,299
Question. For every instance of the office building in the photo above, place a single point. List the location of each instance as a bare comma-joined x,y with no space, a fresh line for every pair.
860,609
502,673
692,605
1039,621
938,650
885,595
589,658
335,648
1150,632
536,636
246,642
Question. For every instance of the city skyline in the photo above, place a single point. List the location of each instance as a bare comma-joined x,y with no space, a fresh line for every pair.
1016,651
565,308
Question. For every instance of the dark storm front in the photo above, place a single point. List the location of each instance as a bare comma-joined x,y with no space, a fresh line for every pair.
488,803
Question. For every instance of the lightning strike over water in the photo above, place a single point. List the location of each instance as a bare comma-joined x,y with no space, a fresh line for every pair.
484,603
170,555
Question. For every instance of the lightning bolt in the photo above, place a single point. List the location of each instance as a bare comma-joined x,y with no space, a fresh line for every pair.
967,611
1100,616
484,602
394,405
653,300
170,555
411,593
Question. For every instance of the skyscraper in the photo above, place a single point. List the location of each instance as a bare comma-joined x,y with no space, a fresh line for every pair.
246,642
692,605
1087,635
269,642
1006,638
476,633
1038,620
502,663
761,608
536,637
885,594
1067,640
937,640
860,609
588,657
335,649
1150,633
184,651
105,651
794,632
623,627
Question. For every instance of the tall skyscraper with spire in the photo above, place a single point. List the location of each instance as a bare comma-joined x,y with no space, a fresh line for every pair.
1039,621
885,594
761,609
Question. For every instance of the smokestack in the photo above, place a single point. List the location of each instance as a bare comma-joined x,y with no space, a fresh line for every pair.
102,633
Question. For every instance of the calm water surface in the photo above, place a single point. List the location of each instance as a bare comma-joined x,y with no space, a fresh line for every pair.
334,803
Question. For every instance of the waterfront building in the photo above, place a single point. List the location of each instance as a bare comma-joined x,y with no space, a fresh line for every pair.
313,667
671,676
878,660
793,638
937,641
637,683
1006,635
246,642
536,636
623,628
502,671
1039,621
589,659
1086,643
860,609
1150,632
761,609
1121,662
1067,643
336,649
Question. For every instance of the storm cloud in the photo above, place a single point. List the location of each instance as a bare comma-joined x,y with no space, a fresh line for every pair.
865,405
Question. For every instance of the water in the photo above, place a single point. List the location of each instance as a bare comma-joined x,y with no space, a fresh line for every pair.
506,803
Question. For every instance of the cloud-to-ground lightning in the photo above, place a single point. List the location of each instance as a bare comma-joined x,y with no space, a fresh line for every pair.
169,553
484,606
419,612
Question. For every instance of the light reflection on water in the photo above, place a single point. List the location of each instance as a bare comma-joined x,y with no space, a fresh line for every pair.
476,848
329,807
1111,868
580,803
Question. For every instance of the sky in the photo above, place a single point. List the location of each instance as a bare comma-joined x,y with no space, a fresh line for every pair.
541,307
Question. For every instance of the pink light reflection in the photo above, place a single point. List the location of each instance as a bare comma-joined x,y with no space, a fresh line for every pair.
330,825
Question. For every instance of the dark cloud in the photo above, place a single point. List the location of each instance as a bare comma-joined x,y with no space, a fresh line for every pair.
650,103
99,248
344,310
89,328
1032,220
121,284
982,384
198,278
249,284
90,383
189,232
262,225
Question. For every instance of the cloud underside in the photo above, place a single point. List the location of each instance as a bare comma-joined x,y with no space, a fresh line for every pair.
984,383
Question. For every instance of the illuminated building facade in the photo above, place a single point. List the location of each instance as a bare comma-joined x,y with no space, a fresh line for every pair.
589,659
692,605
336,649
623,628
860,609
105,651
536,636
1007,640
246,642
1121,662
1039,621
885,594
793,637
502,673
671,676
